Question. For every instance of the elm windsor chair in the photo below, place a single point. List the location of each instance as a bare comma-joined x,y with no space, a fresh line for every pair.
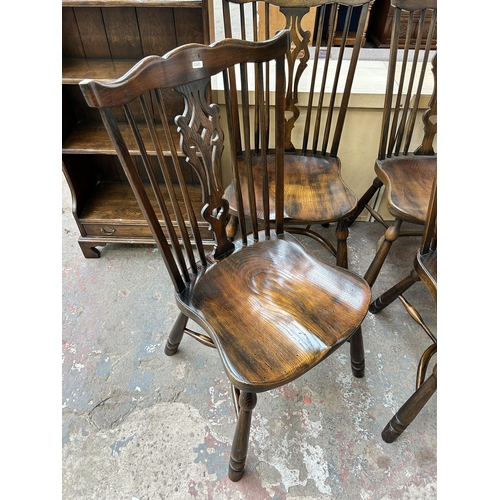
319,83
272,310
425,269
407,176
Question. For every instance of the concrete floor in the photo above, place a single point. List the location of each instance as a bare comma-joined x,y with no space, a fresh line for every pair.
140,425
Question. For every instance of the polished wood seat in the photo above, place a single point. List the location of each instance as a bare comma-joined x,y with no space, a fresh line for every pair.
272,310
408,180
285,327
304,194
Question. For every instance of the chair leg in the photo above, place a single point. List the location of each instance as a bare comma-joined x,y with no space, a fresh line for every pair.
356,340
406,414
365,199
306,231
342,233
391,235
392,294
357,354
176,334
239,449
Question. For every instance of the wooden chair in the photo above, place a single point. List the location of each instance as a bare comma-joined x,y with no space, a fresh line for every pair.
319,82
407,176
272,310
425,269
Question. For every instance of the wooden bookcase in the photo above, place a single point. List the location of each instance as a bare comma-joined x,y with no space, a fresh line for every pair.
103,39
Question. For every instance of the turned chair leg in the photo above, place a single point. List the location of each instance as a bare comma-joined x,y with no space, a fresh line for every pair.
391,235
342,233
407,413
176,334
365,199
357,354
239,449
356,340
392,294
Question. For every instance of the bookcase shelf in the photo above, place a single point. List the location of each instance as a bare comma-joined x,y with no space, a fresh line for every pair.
103,39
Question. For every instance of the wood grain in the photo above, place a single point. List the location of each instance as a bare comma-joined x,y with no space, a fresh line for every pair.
292,311
314,189
409,182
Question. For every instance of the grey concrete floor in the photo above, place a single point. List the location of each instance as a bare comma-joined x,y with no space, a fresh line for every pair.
140,425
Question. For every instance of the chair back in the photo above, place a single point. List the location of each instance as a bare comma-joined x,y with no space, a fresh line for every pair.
161,150
426,259
416,21
320,69
429,234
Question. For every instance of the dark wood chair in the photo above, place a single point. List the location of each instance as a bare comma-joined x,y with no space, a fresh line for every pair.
406,174
272,310
320,74
425,269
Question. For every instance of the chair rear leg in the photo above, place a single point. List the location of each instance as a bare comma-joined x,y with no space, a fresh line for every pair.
365,199
357,354
176,334
392,294
390,236
342,233
239,449
407,413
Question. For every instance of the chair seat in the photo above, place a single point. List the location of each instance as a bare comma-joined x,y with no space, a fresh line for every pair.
274,311
408,181
314,189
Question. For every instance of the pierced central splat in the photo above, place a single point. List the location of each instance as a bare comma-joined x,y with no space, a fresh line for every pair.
299,52
202,143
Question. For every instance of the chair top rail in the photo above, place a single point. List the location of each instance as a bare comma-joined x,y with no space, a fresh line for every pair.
179,66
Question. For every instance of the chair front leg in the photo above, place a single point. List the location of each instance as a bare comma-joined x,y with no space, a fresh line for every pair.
342,233
239,449
407,413
365,199
393,293
390,236
356,340
357,354
176,334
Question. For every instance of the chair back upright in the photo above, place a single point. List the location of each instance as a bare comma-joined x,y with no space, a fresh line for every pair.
160,149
